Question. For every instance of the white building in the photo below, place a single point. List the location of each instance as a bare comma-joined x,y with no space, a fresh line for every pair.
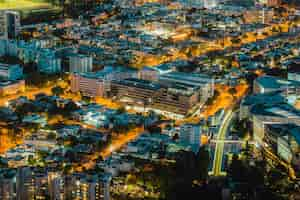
81,63
7,184
3,25
98,84
190,134
13,23
9,24
10,72
209,4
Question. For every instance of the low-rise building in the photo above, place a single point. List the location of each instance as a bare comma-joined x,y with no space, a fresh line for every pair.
263,115
267,84
98,84
190,134
173,93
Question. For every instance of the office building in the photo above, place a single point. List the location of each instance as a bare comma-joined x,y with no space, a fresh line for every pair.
284,140
263,115
36,183
148,73
135,91
272,3
98,84
167,95
88,85
209,4
91,186
193,82
294,71
268,84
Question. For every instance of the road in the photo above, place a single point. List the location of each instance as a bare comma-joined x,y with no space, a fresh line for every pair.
30,93
218,158
117,143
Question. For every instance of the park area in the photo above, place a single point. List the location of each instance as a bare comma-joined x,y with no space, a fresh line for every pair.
23,5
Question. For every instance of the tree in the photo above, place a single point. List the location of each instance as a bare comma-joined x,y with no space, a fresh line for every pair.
202,163
57,90
71,106
232,91
210,101
24,109
237,169
235,40
51,136
121,110
86,99
154,129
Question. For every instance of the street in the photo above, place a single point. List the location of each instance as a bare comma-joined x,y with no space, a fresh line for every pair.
218,158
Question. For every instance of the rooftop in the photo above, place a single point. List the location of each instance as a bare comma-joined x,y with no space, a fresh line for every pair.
139,83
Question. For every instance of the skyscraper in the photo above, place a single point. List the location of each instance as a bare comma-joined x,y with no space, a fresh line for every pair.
3,25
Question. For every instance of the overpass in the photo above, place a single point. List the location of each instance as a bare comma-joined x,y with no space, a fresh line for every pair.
218,157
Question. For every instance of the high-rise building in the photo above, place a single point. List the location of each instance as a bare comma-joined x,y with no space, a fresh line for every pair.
94,187
81,63
7,184
3,25
13,23
9,24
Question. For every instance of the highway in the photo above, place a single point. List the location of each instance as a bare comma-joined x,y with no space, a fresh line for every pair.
218,157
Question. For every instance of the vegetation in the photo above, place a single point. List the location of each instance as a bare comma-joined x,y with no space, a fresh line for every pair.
57,90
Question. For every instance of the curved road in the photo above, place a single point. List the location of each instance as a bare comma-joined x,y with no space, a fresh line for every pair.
218,157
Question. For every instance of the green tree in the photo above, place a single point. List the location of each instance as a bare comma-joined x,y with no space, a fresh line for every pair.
57,90
232,91
86,99
202,163
237,170
121,110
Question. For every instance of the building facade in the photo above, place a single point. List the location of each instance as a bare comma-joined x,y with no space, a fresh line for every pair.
10,72
81,64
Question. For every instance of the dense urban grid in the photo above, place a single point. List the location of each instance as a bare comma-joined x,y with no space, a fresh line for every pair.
149,99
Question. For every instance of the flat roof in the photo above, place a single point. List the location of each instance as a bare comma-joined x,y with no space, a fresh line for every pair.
274,82
139,83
